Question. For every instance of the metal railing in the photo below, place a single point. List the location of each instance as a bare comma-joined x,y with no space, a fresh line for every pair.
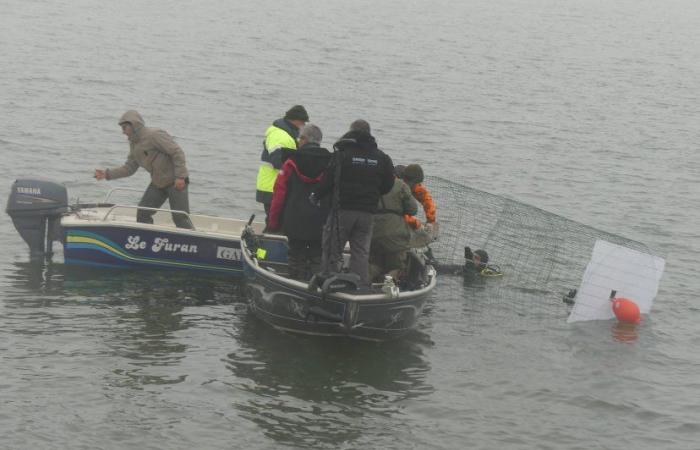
215,221
109,194
165,210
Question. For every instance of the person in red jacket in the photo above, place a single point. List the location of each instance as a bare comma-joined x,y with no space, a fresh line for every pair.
290,209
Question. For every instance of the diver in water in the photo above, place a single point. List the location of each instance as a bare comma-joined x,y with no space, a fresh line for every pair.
477,262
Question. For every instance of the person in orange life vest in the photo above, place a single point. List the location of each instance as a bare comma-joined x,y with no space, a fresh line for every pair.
290,209
413,176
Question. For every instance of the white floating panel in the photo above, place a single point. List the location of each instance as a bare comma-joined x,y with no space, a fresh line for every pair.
633,274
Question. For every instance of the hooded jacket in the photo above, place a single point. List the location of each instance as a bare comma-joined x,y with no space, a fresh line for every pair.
290,209
366,173
154,150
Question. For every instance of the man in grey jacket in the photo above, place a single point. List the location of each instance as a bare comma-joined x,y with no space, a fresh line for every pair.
156,151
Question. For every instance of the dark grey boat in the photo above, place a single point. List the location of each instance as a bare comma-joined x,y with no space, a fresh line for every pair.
335,306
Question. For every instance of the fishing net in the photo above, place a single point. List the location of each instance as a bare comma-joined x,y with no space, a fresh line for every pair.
541,256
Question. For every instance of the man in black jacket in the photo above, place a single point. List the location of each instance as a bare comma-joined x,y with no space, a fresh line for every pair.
366,173
290,210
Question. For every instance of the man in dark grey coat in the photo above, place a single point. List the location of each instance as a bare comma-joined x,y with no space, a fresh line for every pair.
156,151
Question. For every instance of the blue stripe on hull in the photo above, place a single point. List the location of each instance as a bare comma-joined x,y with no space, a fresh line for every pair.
108,248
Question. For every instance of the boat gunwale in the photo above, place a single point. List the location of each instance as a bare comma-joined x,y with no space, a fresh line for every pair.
74,220
340,296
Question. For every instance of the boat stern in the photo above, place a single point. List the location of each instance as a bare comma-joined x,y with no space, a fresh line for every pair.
36,207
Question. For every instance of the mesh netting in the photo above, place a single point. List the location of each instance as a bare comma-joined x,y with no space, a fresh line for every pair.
541,255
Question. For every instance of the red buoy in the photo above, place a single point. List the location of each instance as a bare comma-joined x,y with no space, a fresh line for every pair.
626,310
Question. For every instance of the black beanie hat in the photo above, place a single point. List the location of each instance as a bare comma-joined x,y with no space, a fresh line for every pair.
297,112
413,173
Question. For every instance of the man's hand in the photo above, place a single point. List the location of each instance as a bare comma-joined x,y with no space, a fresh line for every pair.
433,230
179,184
314,200
100,174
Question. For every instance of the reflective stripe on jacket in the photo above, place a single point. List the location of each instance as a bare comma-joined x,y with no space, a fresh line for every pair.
277,140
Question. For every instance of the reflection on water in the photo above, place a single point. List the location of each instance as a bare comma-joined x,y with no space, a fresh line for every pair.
624,332
132,318
158,332
36,277
313,390
145,337
30,281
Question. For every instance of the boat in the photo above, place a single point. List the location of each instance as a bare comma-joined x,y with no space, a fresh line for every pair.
107,234
334,305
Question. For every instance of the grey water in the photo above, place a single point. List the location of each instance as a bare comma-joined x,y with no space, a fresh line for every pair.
588,109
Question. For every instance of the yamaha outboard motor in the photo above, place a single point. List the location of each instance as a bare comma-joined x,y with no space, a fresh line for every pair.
35,207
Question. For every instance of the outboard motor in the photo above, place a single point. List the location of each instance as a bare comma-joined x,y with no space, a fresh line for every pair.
36,207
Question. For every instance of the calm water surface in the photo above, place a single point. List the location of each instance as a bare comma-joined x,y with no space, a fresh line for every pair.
588,109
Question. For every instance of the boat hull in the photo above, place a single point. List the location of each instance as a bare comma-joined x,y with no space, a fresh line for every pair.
288,305
140,247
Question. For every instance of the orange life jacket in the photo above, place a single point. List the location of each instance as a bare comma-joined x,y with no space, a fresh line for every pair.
421,194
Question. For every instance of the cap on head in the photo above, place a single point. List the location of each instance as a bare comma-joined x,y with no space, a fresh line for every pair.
297,112
413,173
398,170
360,125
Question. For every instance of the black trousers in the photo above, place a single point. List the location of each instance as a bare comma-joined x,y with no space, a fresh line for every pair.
303,258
